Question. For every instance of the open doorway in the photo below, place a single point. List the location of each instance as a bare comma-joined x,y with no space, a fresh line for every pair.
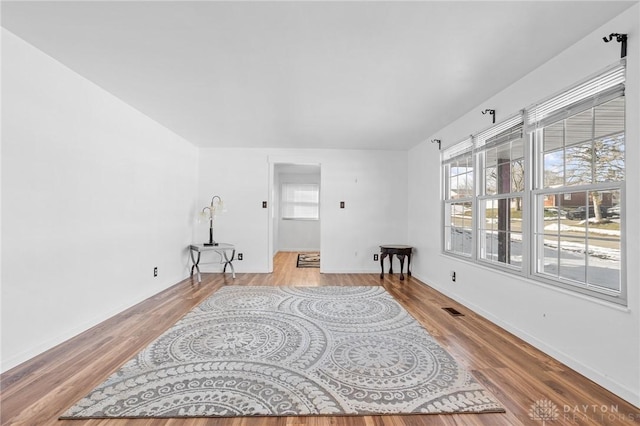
295,213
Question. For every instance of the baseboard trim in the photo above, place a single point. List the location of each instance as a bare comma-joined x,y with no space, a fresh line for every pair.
613,386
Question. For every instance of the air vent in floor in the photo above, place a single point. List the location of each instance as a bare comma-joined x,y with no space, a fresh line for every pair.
454,312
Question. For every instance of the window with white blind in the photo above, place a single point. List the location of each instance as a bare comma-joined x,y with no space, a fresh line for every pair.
458,177
500,153
300,201
542,193
579,143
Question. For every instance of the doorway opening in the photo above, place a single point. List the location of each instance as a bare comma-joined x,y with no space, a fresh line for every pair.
295,219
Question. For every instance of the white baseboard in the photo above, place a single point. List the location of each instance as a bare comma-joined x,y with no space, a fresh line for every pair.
620,390
30,353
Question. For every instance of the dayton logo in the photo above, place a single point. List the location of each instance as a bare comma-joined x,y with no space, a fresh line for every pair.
544,410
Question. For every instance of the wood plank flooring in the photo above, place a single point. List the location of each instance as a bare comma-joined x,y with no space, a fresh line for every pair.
38,391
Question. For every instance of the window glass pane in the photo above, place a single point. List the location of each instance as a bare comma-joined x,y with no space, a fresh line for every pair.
458,228
579,128
604,239
487,224
515,215
504,153
574,203
553,169
490,247
517,176
585,226
611,201
597,210
300,201
609,156
467,184
548,247
446,176
572,258
500,230
553,137
503,182
579,160
459,174
604,262
515,251
517,149
490,180
609,118
453,186
490,214
491,157
549,264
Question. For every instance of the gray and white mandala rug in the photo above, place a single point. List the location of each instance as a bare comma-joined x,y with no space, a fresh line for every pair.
290,351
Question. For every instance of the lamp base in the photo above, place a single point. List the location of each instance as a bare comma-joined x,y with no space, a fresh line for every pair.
210,244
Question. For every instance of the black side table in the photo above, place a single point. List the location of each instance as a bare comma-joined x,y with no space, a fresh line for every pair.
401,251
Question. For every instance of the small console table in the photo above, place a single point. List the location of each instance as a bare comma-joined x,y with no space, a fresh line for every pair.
401,252
221,248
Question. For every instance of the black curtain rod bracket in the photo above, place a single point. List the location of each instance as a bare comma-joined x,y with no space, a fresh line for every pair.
438,141
620,38
491,112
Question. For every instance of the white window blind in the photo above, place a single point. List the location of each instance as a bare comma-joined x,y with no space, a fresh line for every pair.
457,149
505,131
300,201
608,84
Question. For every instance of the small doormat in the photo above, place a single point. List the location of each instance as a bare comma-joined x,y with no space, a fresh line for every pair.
308,260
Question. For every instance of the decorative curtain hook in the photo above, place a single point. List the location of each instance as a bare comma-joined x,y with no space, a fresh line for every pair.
620,38
491,112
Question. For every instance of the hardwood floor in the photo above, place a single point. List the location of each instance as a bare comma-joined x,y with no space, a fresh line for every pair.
38,391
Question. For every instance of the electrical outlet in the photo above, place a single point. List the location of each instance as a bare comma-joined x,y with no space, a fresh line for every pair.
239,256
453,276
375,257
155,271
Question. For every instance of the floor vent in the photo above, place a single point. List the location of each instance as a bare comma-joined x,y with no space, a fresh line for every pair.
454,312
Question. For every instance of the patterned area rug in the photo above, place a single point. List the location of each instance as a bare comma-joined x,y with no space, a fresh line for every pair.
289,351
308,260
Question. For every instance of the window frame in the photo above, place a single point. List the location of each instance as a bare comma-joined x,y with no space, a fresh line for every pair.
609,85
540,190
461,150
568,284
496,137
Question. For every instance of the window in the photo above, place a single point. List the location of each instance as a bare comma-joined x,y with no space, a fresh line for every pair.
581,173
541,194
458,232
500,202
300,201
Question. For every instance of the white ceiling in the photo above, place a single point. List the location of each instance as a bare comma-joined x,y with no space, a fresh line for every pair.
360,75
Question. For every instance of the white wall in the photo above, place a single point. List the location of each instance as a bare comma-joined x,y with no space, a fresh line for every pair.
597,339
295,235
94,196
373,185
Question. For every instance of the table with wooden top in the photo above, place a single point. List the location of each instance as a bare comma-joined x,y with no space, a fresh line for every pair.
401,251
